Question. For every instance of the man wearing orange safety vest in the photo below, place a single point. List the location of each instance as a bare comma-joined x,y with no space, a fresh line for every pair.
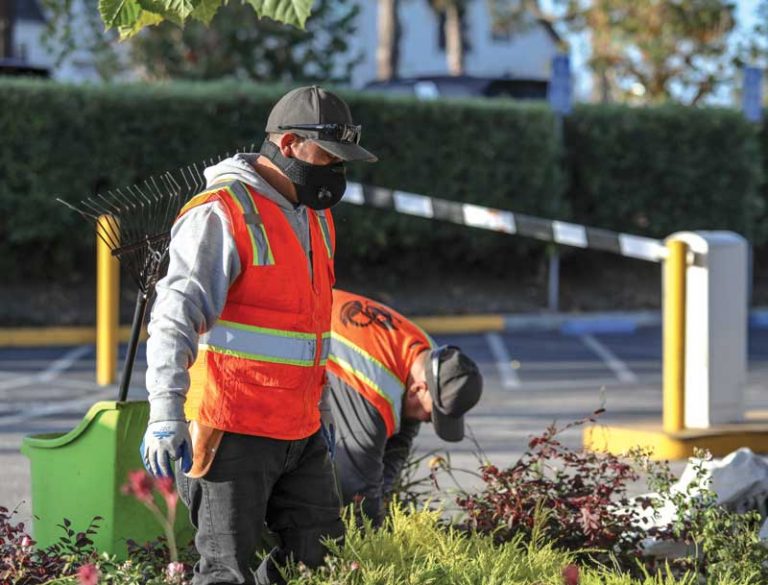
386,377
239,338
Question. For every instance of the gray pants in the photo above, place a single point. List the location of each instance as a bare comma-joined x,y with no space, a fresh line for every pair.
256,480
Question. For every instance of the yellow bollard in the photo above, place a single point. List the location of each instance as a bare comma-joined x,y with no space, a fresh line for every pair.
674,336
107,298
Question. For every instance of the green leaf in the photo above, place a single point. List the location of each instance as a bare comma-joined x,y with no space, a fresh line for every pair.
206,10
294,12
117,13
177,11
145,19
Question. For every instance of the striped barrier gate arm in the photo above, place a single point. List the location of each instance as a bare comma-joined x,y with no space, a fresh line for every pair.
559,232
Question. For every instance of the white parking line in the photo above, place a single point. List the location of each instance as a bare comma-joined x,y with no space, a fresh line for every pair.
618,367
652,382
50,373
509,377
63,363
70,407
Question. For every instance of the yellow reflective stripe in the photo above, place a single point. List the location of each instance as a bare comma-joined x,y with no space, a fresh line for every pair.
367,368
267,259
196,200
248,227
325,230
262,254
267,330
270,257
346,366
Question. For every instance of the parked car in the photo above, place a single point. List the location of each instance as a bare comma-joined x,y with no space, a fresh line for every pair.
450,86
11,66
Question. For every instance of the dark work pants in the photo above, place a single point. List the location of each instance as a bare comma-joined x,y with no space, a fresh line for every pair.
253,480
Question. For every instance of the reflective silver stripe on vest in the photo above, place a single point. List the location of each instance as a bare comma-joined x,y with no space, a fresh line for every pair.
262,251
326,231
325,349
261,343
368,369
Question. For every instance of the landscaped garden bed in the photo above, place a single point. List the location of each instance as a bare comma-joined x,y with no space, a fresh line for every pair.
557,516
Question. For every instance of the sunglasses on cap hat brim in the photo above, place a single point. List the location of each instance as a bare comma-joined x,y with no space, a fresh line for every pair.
343,133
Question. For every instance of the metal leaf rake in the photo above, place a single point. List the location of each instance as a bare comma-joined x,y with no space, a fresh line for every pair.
135,223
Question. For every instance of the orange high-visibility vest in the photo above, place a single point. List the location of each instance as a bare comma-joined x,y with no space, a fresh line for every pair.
260,368
372,350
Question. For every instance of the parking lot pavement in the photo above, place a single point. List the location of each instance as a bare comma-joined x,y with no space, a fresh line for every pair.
532,378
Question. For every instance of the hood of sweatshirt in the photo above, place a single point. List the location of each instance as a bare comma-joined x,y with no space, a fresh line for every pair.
240,168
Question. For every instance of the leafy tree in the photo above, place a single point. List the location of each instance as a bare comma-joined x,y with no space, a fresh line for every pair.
74,26
452,13
653,50
507,15
130,16
239,44
388,41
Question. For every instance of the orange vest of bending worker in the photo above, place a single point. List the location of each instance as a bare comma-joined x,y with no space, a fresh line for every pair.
372,350
260,369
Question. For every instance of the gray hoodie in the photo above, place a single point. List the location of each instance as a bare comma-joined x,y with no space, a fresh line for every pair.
203,265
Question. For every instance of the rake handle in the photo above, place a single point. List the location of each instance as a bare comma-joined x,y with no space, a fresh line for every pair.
133,343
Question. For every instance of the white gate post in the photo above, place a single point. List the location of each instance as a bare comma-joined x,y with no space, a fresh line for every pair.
716,328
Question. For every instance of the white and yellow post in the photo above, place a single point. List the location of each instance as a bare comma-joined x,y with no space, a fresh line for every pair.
716,318
704,357
107,299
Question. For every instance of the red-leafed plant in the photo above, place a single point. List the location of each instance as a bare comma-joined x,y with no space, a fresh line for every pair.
22,563
580,494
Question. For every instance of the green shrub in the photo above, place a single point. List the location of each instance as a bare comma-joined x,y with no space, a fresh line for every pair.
72,142
490,152
416,547
648,171
654,171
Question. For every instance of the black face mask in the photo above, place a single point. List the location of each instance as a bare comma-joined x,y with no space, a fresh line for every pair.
317,186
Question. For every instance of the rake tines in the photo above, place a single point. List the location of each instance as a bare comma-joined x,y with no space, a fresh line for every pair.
135,223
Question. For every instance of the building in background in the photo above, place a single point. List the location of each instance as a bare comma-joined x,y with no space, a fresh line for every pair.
21,24
522,54
24,23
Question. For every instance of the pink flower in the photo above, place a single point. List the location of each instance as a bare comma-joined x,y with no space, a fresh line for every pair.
26,542
174,570
571,575
88,575
354,566
139,485
166,488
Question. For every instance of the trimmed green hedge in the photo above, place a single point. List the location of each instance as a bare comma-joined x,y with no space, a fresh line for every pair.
71,142
645,171
654,171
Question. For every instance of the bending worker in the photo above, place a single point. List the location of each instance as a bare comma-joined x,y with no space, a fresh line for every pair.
386,377
239,340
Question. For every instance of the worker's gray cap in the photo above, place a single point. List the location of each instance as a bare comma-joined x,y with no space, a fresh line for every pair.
455,384
313,105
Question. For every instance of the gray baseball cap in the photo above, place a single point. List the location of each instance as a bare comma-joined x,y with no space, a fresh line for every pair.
321,116
455,384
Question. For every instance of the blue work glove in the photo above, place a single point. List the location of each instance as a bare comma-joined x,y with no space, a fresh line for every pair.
329,434
163,442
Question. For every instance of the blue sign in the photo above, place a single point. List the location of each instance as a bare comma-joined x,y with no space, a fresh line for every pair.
560,92
752,94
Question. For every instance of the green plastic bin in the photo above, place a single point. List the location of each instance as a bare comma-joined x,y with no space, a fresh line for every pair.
79,474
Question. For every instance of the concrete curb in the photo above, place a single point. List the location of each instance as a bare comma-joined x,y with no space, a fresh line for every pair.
608,322
56,336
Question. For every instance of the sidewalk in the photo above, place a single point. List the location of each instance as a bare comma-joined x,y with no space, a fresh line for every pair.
605,322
